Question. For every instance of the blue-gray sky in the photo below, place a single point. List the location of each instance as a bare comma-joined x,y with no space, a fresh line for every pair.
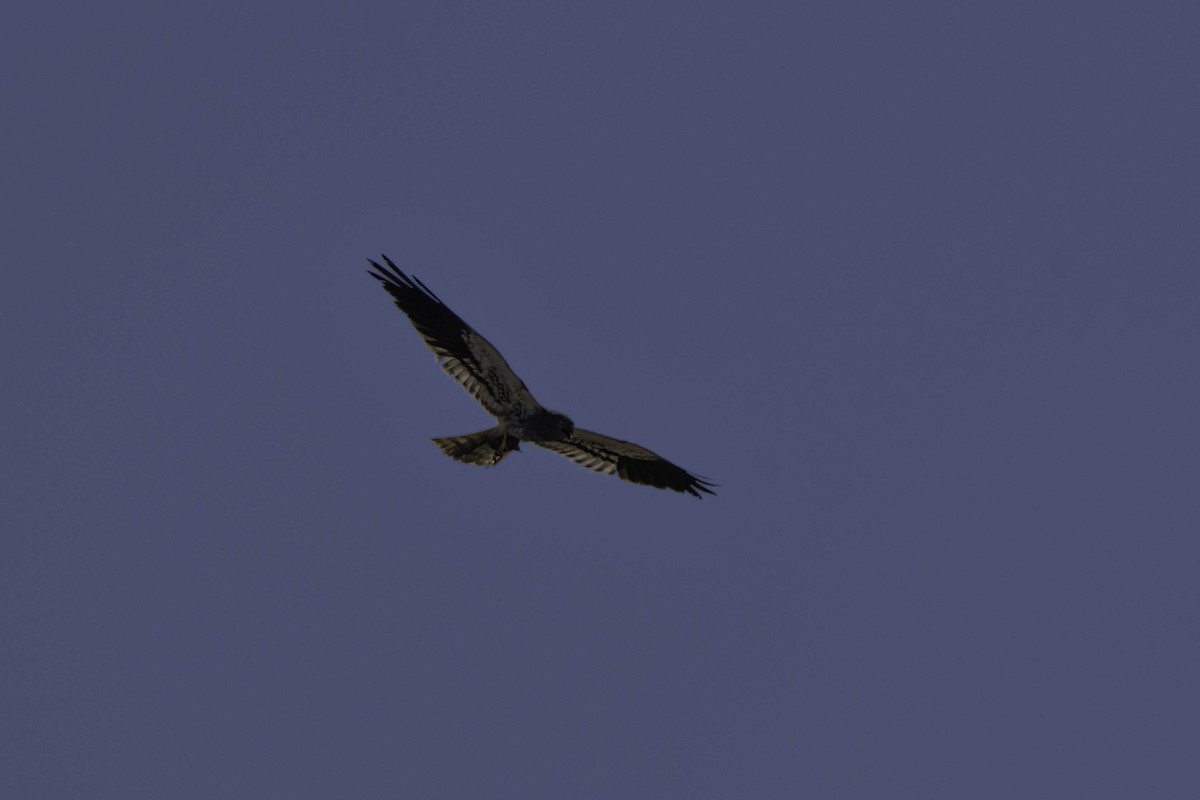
916,284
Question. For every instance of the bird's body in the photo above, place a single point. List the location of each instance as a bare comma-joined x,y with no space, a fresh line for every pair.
478,366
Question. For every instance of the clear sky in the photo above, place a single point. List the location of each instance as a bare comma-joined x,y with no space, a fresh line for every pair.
916,283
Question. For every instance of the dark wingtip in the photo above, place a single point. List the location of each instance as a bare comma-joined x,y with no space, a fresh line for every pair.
391,275
380,272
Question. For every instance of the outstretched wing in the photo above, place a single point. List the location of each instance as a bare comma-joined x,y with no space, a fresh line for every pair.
631,462
468,357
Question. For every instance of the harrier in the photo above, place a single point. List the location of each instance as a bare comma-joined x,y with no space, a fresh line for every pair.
480,369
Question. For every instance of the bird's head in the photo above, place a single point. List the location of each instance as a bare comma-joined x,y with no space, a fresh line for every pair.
563,423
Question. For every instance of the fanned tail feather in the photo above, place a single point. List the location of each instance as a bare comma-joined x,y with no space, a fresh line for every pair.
485,448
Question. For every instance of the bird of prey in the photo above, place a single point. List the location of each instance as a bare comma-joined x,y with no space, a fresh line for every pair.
480,369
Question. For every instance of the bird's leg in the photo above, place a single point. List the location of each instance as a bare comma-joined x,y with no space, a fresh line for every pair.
499,454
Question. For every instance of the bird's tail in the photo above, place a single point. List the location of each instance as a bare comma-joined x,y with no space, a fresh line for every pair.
484,448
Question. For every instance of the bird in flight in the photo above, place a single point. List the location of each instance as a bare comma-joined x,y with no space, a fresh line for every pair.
480,369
